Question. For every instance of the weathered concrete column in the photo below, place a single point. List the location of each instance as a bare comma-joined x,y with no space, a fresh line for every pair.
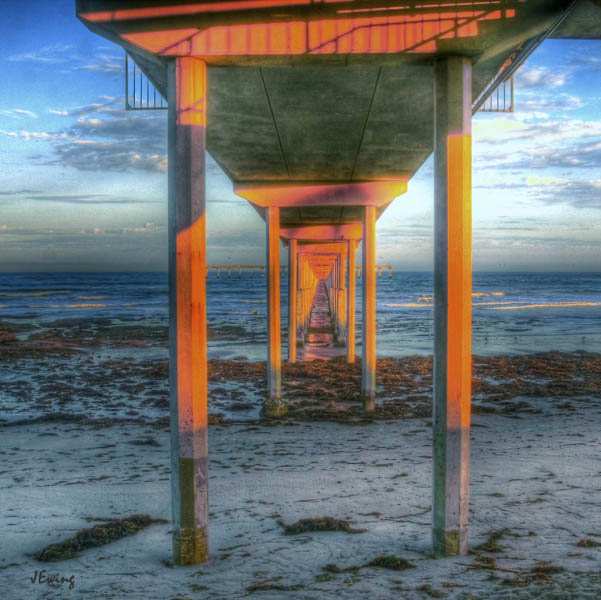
308,300
187,89
333,295
341,300
274,407
350,318
292,296
452,304
302,293
299,308
368,381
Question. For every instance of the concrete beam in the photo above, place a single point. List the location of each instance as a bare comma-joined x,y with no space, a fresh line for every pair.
452,305
322,233
187,83
328,248
244,29
368,193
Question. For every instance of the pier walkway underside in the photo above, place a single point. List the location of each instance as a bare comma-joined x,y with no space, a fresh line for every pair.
320,112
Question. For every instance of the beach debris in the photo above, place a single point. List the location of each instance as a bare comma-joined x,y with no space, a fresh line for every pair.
427,589
541,572
383,561
317,524
99,535
483,563
492,542
588,543
391,562
335,569
272,585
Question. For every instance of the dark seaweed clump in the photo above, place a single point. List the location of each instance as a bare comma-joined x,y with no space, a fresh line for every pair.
92,537
388,561
319,524
384,561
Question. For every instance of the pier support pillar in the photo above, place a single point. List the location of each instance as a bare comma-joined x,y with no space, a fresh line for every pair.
292,299
452,305
332,296
341,319
368,379
302,267
274,407
350,318
187,90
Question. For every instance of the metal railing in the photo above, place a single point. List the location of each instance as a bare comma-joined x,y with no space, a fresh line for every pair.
140,94
502,99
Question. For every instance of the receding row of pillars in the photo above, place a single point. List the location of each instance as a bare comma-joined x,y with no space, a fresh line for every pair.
302,286
187,90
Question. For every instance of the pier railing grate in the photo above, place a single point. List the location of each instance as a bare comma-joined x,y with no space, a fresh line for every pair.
140,93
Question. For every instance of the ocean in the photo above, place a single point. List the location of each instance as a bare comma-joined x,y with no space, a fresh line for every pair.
514,313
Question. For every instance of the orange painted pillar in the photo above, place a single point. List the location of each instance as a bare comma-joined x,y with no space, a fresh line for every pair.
274,407
335,277
332,296
299,308
341,299
306,295
350,319
301,294
309,296
187,90
368,381
452,305
292,297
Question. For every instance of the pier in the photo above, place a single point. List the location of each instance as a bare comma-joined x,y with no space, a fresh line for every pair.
321,113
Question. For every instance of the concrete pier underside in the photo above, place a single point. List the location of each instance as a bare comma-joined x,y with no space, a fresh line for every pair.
320,113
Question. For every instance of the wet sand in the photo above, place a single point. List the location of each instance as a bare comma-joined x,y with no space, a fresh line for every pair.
85,436
104,371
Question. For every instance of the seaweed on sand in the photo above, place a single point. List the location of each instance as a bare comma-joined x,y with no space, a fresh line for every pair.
383,561
272,585
92,537
391,562
492,543
542,572
588,543
319,524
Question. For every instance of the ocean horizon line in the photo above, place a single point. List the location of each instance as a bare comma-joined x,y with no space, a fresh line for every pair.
284,268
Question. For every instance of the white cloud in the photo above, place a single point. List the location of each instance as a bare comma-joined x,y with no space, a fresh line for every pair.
51,54
26,135
539,77
18,113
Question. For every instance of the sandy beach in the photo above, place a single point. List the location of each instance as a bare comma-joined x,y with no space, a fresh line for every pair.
535,526
85,439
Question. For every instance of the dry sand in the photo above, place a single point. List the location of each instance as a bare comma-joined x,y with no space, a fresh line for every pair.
84,436
536,486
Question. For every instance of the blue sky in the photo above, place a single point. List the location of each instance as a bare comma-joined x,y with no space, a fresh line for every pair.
84,187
